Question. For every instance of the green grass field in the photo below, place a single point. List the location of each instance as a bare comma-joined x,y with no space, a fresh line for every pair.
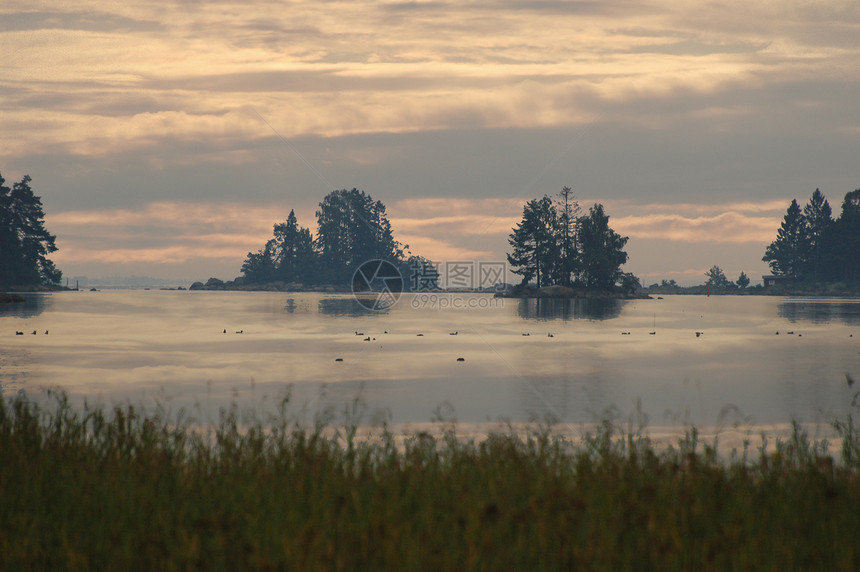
84,489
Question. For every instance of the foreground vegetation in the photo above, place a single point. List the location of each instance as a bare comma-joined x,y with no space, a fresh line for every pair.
120,490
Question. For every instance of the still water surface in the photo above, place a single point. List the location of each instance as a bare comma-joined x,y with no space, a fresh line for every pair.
169,347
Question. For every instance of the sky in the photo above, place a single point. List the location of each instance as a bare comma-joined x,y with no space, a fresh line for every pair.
167,138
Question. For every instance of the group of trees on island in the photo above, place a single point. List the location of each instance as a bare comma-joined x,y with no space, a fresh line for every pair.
811,246
556,245
352,228
24,241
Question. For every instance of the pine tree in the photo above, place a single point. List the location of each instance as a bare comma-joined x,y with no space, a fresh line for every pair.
292,250
601,249
259,267
819,224
717,278
568,222
843,263
24,241
352,229
787,255
534,242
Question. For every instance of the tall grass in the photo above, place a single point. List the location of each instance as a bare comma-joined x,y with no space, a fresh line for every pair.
89,489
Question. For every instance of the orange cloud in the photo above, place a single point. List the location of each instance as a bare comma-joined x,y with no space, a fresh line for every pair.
724,227
376,67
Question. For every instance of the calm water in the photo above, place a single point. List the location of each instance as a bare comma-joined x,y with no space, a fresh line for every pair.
169,347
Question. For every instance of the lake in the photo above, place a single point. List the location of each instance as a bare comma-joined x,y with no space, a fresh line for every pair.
578,361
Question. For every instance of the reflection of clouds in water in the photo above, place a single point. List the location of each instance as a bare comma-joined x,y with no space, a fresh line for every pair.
819,312
137,345
566,309
13,371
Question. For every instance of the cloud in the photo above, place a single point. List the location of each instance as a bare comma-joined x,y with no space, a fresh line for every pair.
725,227
167,233
133,105
391,68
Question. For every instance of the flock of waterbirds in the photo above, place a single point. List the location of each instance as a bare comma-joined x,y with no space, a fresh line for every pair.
549,334
454,333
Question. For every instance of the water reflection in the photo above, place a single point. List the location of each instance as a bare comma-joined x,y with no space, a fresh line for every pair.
820,312
118,346
346,306
33,305
290,306
569,309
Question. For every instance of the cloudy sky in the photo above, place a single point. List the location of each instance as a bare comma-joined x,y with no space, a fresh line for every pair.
166,138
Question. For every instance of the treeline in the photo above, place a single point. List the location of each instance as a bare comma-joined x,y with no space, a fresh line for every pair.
556,245
24,241
813,247
352,228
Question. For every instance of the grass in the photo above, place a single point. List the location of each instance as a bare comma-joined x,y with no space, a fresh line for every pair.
89,489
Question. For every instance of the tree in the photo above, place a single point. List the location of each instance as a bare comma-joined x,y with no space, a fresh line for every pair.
292,248
534,243
819,223
352,229
629,283
743,280
717,278
568,221
787,255
259,267
24,241
601,250
842,260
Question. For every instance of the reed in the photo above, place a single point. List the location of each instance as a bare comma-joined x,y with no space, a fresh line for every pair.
121,489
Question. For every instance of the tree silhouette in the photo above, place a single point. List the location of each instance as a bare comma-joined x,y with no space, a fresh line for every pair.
352,229
568,222
534,242
845,260
812,247
24,241
819,223
554,245
787,254
717,278
602,251
293,251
